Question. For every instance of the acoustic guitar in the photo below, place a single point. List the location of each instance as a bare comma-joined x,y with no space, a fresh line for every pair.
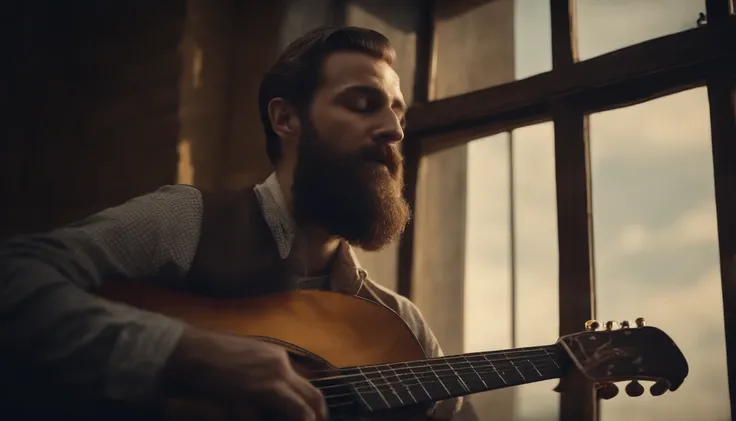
368,363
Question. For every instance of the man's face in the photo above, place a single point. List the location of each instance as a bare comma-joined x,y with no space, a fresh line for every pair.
349,172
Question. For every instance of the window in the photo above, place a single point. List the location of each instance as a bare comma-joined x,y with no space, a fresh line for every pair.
656,244
481,283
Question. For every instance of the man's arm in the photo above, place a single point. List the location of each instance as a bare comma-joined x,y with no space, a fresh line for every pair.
60,345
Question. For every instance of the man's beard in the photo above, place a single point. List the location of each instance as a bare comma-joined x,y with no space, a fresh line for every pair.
350,195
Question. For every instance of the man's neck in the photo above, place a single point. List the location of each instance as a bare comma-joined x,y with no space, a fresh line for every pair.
318,248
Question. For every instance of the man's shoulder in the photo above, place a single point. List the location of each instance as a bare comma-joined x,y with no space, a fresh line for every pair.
170,193
410,313
397,302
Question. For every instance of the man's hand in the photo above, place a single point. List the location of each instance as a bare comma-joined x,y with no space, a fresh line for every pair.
246,376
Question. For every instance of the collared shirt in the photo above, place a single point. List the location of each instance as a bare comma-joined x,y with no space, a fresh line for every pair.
346,276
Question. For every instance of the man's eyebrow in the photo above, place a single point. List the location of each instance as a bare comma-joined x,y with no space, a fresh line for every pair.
372,90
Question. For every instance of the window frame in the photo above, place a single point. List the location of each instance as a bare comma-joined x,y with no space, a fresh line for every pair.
567,94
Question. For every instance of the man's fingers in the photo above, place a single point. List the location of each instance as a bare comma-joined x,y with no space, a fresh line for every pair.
285,401
312,396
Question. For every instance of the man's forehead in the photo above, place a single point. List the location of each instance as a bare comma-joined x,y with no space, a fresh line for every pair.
344,69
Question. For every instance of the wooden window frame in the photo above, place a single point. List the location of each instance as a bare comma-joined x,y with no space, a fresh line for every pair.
567,95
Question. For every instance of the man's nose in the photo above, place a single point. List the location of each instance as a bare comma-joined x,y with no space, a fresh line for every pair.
390,130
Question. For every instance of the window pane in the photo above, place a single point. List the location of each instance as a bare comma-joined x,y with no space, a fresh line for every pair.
439,244
605,26
656,248
488,261
476,43
487,246
487,309
535,221
532,38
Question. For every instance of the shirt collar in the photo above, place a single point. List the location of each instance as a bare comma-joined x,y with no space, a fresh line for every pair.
347,275
279,219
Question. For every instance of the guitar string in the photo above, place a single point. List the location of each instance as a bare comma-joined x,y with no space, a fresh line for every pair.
381,386
375,391
464,370
484,354
430,364
365,379
501,371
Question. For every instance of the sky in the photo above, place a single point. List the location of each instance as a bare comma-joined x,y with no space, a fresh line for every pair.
655,239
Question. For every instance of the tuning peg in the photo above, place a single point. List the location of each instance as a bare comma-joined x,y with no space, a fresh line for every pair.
592,325
611,325
659,387
625,324
607,391
640,322
634,389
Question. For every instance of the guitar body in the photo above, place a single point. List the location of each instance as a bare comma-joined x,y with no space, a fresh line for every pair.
321,330
366,360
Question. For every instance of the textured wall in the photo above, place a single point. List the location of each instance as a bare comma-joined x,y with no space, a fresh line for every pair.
94,94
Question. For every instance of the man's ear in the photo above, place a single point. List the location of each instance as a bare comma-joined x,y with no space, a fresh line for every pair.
284,119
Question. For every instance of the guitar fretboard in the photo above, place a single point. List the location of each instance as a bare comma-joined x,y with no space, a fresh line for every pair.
391,386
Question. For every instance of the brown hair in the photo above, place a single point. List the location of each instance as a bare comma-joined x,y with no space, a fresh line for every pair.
297,73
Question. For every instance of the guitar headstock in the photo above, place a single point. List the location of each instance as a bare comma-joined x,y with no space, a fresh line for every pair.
611,353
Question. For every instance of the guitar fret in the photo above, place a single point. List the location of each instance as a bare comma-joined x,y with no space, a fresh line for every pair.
478,376
485,385
429,380
373,397
401,384
513,363
456,378
438,378
539,373
498,373
417,381
387,382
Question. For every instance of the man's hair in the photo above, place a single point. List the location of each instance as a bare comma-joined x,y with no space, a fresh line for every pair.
297,73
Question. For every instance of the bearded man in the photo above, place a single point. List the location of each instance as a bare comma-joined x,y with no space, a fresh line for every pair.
333,114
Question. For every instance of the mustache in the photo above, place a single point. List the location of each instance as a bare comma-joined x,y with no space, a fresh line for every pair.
387,155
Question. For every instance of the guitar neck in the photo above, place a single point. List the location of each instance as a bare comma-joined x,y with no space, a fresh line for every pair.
393,386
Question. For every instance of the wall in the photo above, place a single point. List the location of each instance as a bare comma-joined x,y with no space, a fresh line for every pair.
94,98
112,100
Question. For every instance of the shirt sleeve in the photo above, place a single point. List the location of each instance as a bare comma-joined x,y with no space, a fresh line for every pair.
61,345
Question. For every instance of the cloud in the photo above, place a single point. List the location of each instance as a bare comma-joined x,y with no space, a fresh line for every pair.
694,227
668,127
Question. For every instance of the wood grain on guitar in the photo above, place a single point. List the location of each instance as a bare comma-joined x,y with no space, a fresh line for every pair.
367,361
